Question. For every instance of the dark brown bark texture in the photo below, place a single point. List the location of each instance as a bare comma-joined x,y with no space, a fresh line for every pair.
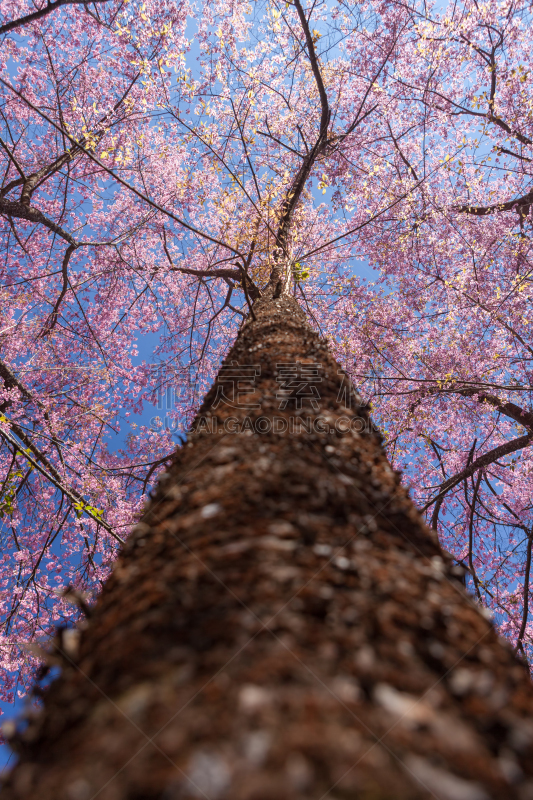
282,625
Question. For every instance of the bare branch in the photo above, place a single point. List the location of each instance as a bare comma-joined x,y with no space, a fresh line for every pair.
471,533
13,159
325,115
232,274
400,153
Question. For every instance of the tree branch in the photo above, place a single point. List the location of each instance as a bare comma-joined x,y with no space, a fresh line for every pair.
231,274
511,153
483,461
53,476
525,607
520,203
400,153
471,534
52,319
511,410
116,177
293,194
14,208
12,382
42,12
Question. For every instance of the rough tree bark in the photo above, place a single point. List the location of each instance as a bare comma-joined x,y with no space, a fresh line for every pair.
282,624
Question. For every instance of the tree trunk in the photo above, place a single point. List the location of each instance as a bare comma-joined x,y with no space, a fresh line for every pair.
282,624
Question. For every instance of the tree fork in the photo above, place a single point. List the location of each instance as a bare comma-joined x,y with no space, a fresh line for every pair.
282,624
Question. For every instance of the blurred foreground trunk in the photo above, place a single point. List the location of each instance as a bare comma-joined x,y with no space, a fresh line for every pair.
282,624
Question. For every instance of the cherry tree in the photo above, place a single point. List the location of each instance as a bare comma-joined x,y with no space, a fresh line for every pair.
169,167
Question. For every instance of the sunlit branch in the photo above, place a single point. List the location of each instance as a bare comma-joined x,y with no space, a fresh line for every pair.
511,410
511,153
